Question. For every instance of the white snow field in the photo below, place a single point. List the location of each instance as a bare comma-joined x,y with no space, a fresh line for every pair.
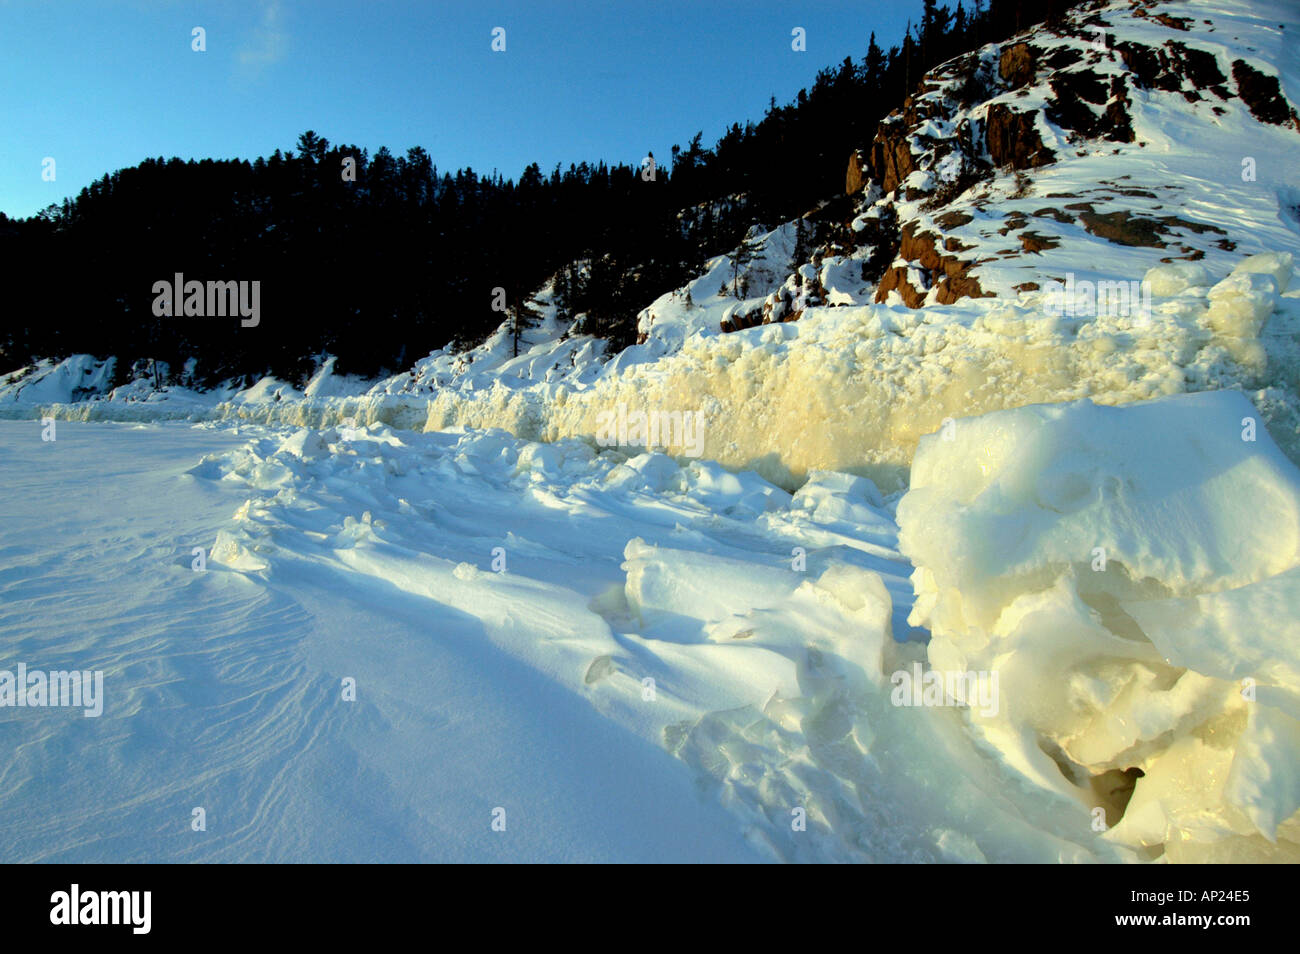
222,689
535,627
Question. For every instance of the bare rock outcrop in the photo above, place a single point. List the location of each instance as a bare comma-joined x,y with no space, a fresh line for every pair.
1017,64
949,273
1013,139
857,175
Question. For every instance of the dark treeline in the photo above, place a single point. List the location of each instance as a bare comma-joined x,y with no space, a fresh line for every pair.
382,268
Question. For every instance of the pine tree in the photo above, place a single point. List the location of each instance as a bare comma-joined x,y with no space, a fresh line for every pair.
740,256
926,31
800,254
561,295
522,315
907,59
874,64
312,147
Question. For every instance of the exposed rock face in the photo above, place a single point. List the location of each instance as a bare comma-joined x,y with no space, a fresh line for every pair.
1117,115
1033,243
891,154
741,320
1013,139
1178,23
1262,95
976,125
855,179
1077,92
1125,228
896,280
1016,64
780,306
1063,57
1174,68
1200,66
946,272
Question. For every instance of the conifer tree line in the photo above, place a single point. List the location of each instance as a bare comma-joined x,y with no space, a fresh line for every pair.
402,258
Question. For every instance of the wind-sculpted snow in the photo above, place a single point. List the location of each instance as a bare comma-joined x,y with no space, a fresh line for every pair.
1123,578
749,631
1133,575
535,624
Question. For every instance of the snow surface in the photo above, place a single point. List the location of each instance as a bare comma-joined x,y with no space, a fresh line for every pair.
644,606
223,688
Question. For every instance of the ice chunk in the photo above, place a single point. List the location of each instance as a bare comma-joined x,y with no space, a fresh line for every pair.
719,489
1241,303
829,497
1172,279
1132,575
546,460
1278,264
658,471
1168,488
822,482
305,443
663,582
239,552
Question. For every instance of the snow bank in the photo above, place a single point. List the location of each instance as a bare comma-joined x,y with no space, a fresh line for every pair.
61,382
876,378
1132,575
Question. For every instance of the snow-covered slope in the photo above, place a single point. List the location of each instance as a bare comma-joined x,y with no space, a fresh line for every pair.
1133,134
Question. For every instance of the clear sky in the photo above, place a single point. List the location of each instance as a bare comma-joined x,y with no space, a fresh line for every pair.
100,85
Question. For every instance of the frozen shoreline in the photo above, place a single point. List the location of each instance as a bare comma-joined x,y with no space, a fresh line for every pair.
873,378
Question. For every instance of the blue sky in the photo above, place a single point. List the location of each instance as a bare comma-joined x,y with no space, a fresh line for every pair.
98,86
